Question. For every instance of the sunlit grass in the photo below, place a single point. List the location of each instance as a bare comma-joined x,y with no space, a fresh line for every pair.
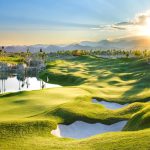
11,59
27,118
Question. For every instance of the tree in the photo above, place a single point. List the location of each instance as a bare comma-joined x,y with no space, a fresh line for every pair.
42,54
2,50
28,52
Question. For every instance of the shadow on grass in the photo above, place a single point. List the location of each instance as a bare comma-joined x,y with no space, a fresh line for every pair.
61,79
103,70
20,93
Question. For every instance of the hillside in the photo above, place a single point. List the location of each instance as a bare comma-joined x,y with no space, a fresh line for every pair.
139,42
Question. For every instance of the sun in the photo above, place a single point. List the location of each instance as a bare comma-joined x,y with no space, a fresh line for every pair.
145,29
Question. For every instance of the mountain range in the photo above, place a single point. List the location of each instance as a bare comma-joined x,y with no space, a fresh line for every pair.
137,42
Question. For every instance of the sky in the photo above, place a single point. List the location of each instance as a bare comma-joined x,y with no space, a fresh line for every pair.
27,22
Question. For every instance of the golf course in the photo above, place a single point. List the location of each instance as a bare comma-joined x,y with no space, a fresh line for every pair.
28,119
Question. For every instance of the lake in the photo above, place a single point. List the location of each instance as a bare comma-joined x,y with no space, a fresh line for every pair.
18,82
15,80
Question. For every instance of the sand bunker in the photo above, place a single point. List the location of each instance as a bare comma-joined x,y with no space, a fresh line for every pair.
109,105
81,129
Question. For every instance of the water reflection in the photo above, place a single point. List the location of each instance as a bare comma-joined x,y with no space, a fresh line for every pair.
15,80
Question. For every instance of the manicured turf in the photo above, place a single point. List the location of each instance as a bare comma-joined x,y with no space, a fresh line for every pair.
12,59
27,118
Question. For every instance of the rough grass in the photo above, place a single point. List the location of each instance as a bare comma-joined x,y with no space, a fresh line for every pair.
140,120
27,118
12,59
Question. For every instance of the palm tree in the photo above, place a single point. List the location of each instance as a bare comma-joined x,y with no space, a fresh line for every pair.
28,52
2,51
3,48
42,55
27,56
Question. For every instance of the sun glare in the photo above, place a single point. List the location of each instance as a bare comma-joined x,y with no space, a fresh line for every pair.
145,30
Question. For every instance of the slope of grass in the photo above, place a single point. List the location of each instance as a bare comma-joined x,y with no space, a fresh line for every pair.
27,118
140,120
110,141
106,76
11,59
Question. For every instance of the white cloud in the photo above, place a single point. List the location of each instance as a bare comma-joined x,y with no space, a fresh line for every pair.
139,21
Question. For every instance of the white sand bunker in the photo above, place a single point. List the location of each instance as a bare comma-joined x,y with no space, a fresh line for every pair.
81,129
109,105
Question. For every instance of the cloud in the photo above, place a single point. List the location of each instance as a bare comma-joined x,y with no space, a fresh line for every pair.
102,27
139,20
112,27
118,27
123,23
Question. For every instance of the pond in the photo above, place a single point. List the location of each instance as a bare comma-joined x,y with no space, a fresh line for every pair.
109,105
80,129
12,84
15,80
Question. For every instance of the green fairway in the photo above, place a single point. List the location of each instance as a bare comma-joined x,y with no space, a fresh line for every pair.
27,118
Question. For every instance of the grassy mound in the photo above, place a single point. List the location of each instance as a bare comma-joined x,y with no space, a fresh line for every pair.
140,120
106,76
21,128
27,118
56,78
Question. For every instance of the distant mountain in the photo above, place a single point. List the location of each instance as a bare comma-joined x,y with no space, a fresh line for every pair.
100,44
15,48
33,48
139,42
52,48
76,46
46,48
